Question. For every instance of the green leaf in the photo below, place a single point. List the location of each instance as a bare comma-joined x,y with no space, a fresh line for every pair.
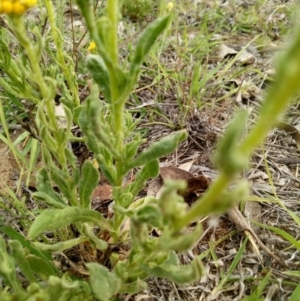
149,214
44,187
50,220
178,274
182,242
13,234
74,169
282,233
131,147
66,289
95,131
105,284
257,294
295,217
133,287
292,273
145,42
5,56
8,267
63,181
99,72
159,149
228,158
48,139
150,170
88,182
94,240
19,255
60,246
296,293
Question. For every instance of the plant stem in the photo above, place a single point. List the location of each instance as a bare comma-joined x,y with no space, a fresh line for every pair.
20,32
60,53
113,13
210,196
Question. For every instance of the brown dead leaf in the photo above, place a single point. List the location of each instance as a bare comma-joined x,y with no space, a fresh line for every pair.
194,183
186,166
244,56
175,173
224,51
102,193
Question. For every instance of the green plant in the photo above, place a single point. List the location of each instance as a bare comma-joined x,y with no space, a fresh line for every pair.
136,10
109,132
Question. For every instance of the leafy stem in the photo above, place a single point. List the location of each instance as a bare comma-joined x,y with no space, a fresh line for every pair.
60,53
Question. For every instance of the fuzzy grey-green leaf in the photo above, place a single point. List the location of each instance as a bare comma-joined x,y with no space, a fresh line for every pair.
145,43
105,284
88,182
150,170
99,72
50,220
159,149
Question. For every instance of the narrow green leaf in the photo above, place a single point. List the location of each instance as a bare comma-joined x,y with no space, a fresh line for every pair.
88,182
8,267
105,284
236,259
44,187
178,274
99,72
63,181
257,294
19,255
50,220
48,139
13,234
228,158
159,149
295,217
60,246
131,147
292,273
182,242
145,43
150,170
133,287
94,240
40,266
296,293
282,233
74,169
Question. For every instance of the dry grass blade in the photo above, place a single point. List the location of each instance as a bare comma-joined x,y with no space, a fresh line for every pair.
236,216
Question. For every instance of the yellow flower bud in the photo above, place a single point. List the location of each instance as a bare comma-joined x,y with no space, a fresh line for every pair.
29,3
18,8
6,7
92,46
170,6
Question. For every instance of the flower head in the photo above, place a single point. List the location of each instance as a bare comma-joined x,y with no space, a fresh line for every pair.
16,7
92,46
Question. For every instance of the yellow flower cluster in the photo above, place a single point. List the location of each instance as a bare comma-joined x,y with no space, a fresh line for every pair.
16,7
